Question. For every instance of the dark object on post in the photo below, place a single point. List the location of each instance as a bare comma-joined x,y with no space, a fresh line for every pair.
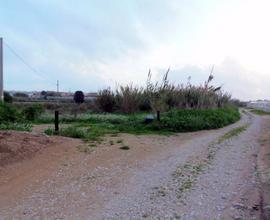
148,119
158,115
56,122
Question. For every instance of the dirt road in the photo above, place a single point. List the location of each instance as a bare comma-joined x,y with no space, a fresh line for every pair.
201,175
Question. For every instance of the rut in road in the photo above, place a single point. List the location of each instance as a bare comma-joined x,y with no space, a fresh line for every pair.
189,176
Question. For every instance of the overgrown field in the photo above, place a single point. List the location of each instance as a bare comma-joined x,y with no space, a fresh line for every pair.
172,108
93,126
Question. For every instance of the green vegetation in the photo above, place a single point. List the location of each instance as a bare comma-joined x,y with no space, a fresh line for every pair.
93,127
11,119
8,113
16,126
161,96
32,112
178,108
125,147
232,133
186,175
260,112
120,141
186,185
49,131
86,148
196,119
8,98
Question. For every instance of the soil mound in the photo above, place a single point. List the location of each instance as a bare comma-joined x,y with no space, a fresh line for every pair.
17,146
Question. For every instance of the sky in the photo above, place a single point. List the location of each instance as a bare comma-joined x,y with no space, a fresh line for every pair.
93,44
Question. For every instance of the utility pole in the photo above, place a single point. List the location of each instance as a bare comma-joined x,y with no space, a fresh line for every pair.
1,71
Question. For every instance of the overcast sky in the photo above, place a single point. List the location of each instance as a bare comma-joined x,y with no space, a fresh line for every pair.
92,44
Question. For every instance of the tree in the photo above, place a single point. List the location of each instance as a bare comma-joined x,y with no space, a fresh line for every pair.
78,97
43,93
7,97
21,94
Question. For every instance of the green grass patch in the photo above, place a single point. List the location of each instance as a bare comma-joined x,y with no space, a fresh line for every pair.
186,185
93,127
16,126
119,141
234,132
196,119
259,112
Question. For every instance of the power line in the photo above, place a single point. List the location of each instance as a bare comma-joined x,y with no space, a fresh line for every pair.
24,62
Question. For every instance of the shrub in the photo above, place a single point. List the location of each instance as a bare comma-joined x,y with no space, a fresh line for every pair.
49,131
74,132
7,97
196,119
106,101
8,113
162,96
144,102
125,147
32,112
128,98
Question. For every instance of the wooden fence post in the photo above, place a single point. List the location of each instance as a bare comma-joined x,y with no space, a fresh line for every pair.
56,122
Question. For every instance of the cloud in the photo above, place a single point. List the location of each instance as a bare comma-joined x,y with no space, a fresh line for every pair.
89,45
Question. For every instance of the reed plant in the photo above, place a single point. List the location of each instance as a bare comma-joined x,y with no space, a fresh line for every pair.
162,96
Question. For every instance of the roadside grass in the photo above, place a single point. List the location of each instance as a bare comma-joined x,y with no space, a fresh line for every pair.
93,126
119,141
86,148
185,176
232,133
260,112
90,118
244,112
16,126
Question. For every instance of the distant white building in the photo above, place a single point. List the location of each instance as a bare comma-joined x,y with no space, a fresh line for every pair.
261,104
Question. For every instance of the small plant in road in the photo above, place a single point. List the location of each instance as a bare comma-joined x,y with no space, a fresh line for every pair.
125,147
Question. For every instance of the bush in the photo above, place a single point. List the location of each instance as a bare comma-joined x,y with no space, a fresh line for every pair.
7,97
106,100
73,132
162,96
8,113
31,113
196,119
11,119
128,98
